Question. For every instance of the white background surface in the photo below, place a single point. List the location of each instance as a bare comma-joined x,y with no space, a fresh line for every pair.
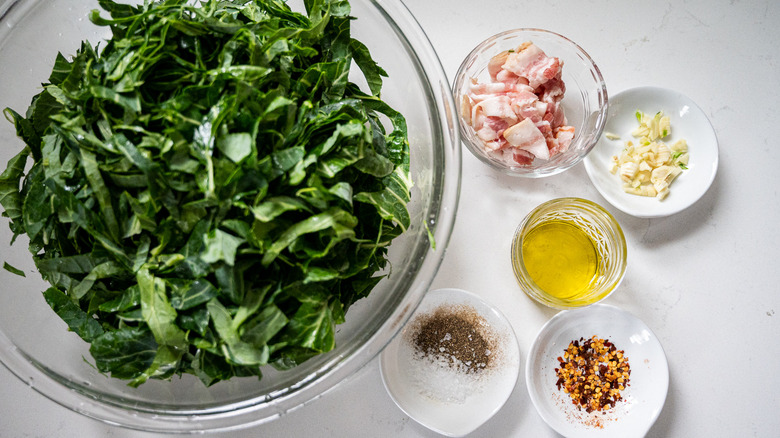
705,280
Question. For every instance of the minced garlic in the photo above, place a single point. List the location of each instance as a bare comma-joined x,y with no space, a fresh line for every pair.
649,167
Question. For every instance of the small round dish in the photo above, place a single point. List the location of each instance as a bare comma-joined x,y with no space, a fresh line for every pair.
688,121
446,400
584,101
644,397
590,222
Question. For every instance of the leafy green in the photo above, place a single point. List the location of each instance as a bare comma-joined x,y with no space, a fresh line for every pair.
13,269
209,193
76,318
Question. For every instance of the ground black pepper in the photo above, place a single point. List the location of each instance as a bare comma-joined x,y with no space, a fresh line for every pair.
456,334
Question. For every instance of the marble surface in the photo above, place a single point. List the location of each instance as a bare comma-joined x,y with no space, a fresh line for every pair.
705,280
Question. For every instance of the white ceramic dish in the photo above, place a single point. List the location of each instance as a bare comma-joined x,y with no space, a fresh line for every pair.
643,398
688,121
451,403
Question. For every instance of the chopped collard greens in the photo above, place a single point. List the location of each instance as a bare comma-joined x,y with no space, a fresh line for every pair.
209,193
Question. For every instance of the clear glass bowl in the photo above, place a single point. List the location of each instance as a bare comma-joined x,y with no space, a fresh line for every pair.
35,344
584,103
602,229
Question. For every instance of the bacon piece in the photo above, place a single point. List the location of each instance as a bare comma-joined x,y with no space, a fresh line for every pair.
525,135
509,78
561,140
497,106
492,129
480,91
465,109
530,62
552,90
545,128
523,157
513,156
563,137
526,106
495,65
522,98
554,114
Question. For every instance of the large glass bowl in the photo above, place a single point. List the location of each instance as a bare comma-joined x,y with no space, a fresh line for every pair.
584,102
34,342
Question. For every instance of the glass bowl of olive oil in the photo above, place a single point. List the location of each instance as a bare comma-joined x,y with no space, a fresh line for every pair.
568,253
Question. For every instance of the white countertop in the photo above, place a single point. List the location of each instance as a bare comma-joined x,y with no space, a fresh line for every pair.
705,280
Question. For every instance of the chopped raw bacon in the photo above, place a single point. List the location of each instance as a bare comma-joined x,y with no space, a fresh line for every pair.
518,115
552,90
563,136
495,106
530,62
523,157
492,129
496,66
526,136
486,90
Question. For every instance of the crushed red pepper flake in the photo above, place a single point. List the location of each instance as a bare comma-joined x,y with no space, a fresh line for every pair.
593,372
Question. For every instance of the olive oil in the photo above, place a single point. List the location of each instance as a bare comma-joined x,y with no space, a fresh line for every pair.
561,258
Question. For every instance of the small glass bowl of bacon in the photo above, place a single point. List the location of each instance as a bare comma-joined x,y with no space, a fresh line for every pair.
532,102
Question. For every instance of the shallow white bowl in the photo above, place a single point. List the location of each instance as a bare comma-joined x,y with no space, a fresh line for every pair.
643,398
471,406
688,121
